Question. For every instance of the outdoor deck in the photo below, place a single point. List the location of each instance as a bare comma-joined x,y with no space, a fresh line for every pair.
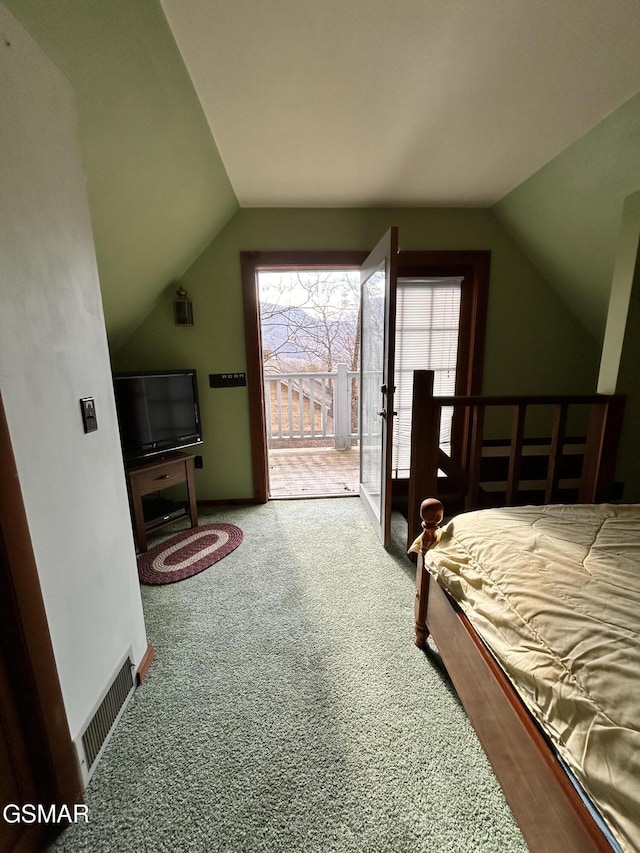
313,472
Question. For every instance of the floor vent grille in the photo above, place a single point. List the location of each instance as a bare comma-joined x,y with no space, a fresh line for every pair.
107,713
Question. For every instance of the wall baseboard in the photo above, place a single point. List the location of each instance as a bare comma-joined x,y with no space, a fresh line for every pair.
230,502
145,663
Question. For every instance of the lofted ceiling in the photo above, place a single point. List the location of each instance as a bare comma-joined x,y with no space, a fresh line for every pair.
189,109
412,102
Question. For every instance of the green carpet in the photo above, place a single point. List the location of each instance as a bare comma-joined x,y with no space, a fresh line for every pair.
288,709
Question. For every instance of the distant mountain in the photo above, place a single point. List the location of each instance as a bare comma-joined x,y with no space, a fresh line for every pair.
293,338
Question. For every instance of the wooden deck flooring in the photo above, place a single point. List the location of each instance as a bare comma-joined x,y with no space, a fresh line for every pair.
313,472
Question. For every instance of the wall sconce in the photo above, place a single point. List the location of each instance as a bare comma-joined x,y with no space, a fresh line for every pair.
182,308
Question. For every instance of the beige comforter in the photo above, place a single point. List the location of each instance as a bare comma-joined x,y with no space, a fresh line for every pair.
555,593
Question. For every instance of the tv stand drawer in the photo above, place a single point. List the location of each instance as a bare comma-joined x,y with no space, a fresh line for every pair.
160,475
153,477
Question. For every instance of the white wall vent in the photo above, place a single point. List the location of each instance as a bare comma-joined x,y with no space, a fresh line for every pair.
96,734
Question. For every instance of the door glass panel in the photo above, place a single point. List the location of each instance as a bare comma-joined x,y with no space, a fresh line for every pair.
371,456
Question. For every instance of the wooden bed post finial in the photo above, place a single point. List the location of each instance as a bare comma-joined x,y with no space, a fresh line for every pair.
432,513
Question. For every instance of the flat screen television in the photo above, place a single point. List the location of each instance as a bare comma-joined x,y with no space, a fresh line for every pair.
158,412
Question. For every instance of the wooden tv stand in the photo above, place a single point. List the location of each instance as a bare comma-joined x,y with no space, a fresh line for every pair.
150,477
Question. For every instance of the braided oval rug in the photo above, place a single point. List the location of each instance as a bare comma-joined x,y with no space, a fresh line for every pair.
188,553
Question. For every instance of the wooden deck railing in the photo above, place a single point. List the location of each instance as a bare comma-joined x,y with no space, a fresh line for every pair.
487,467
314,405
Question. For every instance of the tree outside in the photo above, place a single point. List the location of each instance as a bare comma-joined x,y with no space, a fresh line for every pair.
309,319
310,324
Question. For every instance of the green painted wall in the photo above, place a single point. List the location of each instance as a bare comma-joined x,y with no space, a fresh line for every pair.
568,219
534,344
567,216
158,191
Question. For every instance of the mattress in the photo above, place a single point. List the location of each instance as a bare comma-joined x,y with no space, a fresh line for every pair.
554,592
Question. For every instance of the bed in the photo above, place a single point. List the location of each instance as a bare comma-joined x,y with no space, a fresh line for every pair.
534,523
546,600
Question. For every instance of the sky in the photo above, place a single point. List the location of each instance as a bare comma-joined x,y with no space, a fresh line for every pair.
340,290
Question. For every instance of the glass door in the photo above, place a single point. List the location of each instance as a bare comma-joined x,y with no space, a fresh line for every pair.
378,279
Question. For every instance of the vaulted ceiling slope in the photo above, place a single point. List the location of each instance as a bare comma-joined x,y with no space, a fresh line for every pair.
411,103
365,103
567,217
158,190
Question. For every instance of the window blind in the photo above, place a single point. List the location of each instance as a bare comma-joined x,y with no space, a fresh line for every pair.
427,330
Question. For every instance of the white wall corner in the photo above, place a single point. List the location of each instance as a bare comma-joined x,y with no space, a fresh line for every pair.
53,353
626,261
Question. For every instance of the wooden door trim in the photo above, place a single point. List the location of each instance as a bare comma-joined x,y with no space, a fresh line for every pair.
27,643
251,263
474,265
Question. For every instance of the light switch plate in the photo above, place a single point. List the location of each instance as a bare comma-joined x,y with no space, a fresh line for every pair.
88,408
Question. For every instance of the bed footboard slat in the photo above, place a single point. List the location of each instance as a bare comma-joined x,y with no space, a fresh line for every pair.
555,452
515,451
477,440
603,438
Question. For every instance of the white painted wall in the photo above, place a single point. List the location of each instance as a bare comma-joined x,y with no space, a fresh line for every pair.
624,274
53,351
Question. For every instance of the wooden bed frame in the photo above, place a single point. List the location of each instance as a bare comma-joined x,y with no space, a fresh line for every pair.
545,803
